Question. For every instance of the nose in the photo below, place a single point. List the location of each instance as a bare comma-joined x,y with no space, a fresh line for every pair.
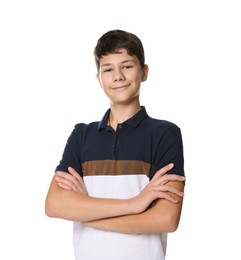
118,75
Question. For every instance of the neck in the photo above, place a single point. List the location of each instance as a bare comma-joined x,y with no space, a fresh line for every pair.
121,113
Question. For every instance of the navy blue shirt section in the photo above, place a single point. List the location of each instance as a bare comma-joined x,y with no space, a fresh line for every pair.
140,138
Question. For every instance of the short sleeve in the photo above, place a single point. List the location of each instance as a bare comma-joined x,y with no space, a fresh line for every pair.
71,153
169,150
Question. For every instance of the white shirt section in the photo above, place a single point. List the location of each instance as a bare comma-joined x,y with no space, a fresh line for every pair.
94,244
116,187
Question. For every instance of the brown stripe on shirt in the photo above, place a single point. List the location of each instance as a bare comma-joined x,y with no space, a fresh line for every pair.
115,167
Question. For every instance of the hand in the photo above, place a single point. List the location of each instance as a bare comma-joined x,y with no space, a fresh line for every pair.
158,188
72,181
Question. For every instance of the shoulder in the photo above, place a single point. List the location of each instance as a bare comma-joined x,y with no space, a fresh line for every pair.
92,126
161,125
81,128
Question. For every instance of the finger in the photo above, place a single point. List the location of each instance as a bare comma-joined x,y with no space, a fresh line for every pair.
77,176
69,180
171,177
80,179
66,184
170,189
73,180
164,195
73,172
164,170
67,187
66,176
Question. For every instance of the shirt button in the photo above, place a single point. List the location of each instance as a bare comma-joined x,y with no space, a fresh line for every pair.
120,126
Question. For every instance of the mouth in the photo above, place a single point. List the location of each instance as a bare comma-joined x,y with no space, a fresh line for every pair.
120,87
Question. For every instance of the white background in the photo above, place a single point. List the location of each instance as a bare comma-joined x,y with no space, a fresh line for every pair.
48,84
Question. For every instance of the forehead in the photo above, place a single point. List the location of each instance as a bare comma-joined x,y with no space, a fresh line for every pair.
119,56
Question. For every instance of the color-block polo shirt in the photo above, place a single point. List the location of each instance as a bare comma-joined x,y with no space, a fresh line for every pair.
119,164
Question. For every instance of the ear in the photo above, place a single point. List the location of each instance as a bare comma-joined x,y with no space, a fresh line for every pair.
145,72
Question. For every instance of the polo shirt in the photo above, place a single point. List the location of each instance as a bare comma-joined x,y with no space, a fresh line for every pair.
119,164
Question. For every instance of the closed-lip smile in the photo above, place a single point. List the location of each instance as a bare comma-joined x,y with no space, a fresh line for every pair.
120,87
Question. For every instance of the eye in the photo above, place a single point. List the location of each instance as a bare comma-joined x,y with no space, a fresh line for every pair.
107,70
127,67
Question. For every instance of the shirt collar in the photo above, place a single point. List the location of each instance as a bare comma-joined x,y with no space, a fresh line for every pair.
134,121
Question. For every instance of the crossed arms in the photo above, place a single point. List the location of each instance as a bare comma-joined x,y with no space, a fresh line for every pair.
157,208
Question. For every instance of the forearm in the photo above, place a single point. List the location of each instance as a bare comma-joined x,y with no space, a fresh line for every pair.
74,205
163,217
145,222
70,205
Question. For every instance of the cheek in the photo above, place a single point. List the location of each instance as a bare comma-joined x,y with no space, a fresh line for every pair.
104,80
138,79
101,82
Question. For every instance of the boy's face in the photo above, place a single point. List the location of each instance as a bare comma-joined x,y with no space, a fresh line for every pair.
120,76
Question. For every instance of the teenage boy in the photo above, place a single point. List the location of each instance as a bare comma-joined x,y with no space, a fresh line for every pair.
121,180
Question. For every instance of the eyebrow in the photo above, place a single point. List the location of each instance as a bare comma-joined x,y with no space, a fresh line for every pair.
123,62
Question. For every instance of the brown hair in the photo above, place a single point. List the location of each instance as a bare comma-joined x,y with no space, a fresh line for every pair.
113,40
